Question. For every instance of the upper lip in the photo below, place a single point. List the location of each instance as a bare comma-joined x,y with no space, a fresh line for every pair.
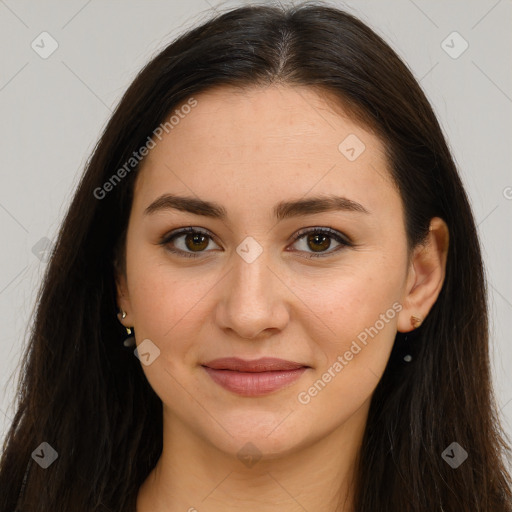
265,364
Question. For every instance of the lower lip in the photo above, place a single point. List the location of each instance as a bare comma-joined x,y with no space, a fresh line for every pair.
254,383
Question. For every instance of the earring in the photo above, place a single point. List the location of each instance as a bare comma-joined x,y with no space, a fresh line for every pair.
123,316
130,341
415,321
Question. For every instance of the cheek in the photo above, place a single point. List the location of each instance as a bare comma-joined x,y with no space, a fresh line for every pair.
361,314
167,306
167,301
351,302
354,331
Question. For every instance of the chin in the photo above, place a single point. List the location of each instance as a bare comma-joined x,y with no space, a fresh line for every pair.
261,437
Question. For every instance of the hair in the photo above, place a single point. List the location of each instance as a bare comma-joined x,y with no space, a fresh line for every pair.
86,395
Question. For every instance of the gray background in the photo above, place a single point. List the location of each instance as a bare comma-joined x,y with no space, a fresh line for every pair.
53,110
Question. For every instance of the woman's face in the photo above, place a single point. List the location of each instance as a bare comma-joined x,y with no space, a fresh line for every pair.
258,277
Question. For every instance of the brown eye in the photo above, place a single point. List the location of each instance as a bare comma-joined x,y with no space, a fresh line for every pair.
319,240
188,241
191,242
196,242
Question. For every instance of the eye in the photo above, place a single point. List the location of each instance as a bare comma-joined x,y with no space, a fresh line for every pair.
190,242
193,239
319,240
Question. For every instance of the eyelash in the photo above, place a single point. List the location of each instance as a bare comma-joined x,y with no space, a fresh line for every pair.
301,234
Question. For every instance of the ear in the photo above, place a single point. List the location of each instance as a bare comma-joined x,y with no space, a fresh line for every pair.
426,275
123,299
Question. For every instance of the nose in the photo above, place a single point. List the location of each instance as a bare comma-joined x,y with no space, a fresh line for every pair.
253,303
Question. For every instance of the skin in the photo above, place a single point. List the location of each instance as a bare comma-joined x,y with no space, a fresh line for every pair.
248,150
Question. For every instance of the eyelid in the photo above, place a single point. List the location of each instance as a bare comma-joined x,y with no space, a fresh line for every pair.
339,237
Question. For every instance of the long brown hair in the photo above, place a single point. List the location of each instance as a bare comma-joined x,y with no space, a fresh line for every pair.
85,394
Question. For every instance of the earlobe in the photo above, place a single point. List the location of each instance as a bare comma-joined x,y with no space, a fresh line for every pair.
426,276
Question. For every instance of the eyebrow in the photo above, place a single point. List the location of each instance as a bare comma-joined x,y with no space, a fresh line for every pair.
282,210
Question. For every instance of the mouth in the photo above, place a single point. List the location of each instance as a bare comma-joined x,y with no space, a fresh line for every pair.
254,378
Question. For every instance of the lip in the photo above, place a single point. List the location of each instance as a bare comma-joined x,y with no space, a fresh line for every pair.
264,364
254,378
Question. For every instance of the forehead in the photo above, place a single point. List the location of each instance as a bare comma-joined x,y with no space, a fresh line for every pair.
256,115
262,141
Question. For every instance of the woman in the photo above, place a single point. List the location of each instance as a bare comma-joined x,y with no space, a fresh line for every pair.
273,215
